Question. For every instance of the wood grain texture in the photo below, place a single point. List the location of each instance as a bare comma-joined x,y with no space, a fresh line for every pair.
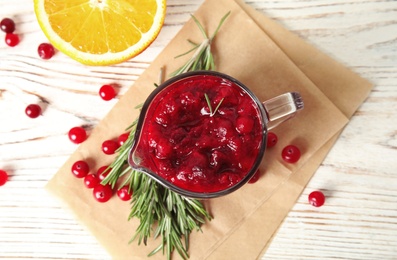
359,176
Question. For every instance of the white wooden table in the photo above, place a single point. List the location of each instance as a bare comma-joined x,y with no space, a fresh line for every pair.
359,176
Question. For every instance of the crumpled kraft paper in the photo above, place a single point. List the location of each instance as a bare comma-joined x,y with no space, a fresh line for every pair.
270,61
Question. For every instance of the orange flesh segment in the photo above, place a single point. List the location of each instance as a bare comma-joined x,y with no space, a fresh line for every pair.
103,23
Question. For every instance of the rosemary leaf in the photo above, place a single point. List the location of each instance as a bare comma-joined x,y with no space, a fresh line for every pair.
220,24
201,28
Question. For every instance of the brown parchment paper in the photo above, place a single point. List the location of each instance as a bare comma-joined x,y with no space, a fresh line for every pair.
270,61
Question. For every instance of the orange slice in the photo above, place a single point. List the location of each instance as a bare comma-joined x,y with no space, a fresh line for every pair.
100,32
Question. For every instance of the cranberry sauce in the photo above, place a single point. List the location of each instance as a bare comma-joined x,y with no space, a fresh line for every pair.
182,142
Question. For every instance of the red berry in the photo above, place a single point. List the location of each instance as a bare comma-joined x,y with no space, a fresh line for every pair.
163,149
102,193
109,146
244,124
33,110
12,39
107,92
316,198
122,138
77,135
7,25
255,178
3,177
103,172
80,169
291,154
229,179
91,180
271,139
124,193
46,51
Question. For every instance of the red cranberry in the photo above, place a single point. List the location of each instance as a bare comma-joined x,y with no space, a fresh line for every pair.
255,178
163,149
291,154
224,128
225,93
229,179
124,193
7,25
107,92
109,146
3,177
102,193
316,198
33,110
77,135
123,138
80,169
12,39
91,180
46,51
244,124
103,171
271,139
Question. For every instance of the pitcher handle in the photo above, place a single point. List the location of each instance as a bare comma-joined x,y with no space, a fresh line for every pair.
282,108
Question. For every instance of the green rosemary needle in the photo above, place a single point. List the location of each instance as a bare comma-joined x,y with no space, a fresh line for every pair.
202,59
212,111
163,213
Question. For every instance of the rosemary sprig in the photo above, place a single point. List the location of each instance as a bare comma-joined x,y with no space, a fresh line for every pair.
162,212
212,111
202,59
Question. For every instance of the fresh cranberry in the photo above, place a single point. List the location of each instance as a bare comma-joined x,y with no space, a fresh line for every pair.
291,154
102,193
80,169
109,146
271,139
124,193
7,25
103,171
91,180
77,135
12,39
46,51
123,138
33,110
255,177
3,177
107,92
316,198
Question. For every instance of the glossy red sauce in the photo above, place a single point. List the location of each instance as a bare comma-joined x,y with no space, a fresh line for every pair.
186,145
